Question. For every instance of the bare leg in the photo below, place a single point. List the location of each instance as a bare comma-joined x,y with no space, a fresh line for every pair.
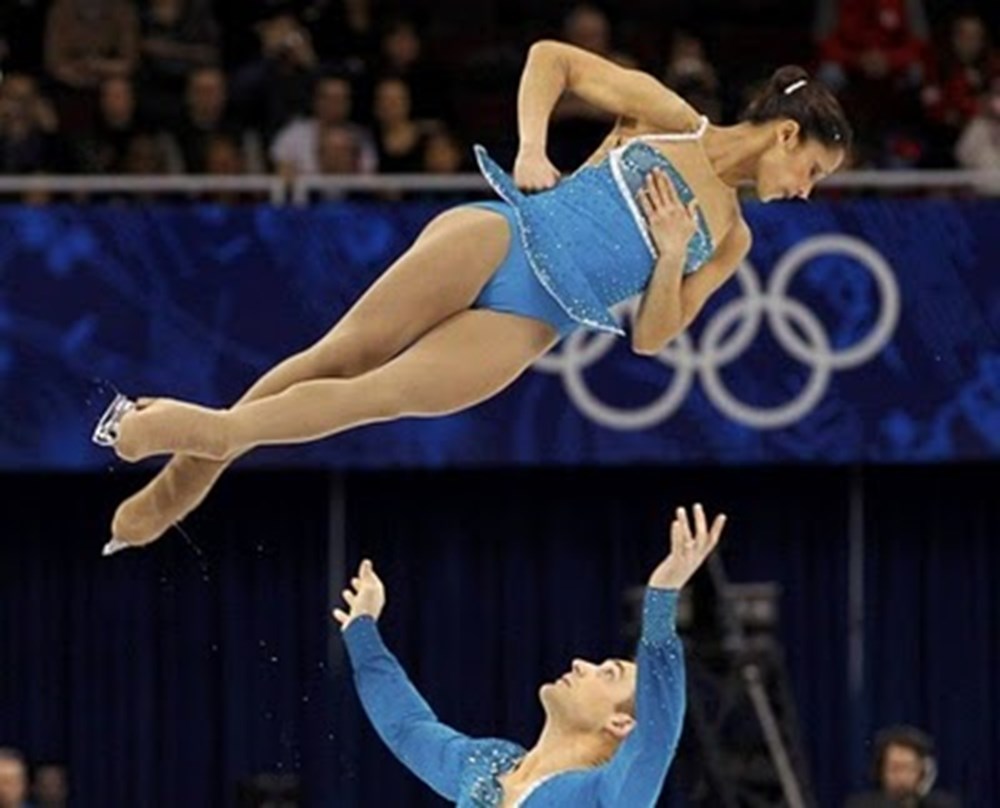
465,360
440,274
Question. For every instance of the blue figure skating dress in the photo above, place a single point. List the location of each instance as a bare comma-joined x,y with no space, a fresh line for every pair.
581,247
464,770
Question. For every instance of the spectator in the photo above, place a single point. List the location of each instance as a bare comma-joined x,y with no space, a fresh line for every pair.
86,42
205,118
178,37
340,151
442,152
224,158
958,82
29,138
873,53
276,87
13,779
103,152
577,127
979,145
872,41
50,788
399,139
691,76
402,54
145,155
904,772
296,148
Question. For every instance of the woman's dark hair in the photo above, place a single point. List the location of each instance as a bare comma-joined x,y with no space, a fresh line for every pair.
791,93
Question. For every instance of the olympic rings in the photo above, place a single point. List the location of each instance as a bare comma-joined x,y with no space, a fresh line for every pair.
809,345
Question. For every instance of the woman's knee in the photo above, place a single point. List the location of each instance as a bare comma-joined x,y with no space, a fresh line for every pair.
346,354
390,395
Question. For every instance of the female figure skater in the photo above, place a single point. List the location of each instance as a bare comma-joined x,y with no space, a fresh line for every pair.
489,287
611,729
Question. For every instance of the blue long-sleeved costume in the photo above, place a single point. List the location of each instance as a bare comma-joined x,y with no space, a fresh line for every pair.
465,769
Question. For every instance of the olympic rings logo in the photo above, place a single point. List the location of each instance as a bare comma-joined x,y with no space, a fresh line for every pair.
810,345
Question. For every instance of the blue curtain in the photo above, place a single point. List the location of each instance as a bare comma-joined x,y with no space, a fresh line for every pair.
165,676
933,617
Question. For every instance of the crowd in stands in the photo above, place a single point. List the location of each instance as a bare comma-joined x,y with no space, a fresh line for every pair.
351,86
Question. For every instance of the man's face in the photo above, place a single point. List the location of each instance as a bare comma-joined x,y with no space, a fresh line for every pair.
902,769
590,696
332,101
13,783
339,152
206,94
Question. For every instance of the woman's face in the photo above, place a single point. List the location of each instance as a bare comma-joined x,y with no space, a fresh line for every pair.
792,165
392,101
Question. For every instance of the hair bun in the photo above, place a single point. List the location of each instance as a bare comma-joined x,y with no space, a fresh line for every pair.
791,92
785,77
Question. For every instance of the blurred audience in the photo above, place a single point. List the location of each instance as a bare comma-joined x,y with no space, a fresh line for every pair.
402,54
959,78
87,42
103,150
178,37
30,142
339,151
690,74
277,84
874,54
232,86
578,128
205,118
13,779
296,147
443,154
50,786
399,139
903,772
979,144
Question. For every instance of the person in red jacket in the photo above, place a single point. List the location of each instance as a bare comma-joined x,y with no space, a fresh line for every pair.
873,54
958,80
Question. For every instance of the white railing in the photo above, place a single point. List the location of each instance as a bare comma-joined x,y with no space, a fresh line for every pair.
303,187
301,190
915,180
857,180
272,185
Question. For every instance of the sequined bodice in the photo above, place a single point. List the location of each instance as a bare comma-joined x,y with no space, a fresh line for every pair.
631,165
586,239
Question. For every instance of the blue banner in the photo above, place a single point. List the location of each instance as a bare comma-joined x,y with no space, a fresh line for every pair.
856,331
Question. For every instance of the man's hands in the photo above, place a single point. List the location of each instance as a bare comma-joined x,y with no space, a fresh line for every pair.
687,549
367,596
